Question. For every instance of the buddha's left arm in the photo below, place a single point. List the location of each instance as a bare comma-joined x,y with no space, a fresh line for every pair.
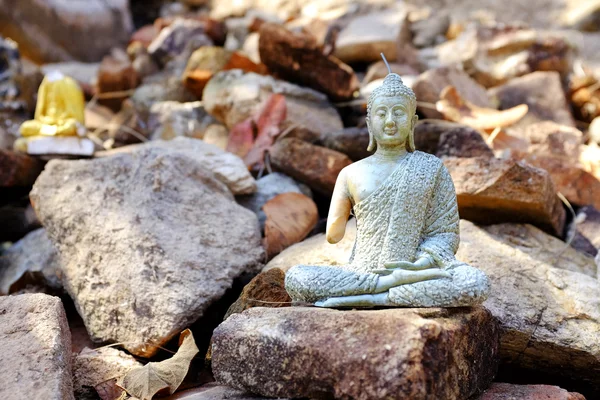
441,234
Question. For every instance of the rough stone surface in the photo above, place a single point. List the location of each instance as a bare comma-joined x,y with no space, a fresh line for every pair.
393,354
549,314
430,84
491,190
94,366
507,391
463,142
268,187
84,31
171,119
234,96
18,169
227,168
543,94
149,241
316,166
30,261
175,39
316,251
298,58
429,131
351,141
366,36
35,344
586,229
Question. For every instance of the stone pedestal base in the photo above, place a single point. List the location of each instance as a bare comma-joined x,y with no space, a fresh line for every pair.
60,145
375,354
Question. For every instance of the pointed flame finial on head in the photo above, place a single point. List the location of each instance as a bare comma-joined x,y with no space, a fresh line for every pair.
386,63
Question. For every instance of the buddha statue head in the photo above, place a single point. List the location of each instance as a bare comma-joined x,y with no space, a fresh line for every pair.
391,114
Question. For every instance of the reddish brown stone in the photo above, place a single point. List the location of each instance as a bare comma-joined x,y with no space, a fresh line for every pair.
18,169
316,166
491,190
298,58
374,354
463,142
507,391
116,74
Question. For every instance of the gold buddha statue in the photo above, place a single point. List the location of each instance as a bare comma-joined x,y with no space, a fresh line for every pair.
407,220
58,124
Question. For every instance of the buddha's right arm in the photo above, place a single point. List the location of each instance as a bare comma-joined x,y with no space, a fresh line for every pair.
339,210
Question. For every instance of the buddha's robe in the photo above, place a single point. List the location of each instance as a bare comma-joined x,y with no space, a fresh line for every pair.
413,213
59,110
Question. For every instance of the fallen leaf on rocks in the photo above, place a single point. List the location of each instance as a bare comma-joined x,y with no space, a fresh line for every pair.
162,377
251,138
290,218
454,108
584,94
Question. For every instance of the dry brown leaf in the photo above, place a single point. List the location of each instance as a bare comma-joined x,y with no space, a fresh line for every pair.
290,218
110,390
162,377
454,108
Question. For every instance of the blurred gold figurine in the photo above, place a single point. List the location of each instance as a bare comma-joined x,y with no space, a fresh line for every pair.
58,126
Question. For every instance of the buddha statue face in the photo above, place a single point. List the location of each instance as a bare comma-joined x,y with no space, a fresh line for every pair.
391,115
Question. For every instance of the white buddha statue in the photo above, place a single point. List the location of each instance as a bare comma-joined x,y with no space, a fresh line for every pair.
407,223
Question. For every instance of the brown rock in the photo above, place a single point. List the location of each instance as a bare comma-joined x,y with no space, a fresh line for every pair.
491,190
586,230
463,142
429,131
35,344
351,141
545,296
430,84
543,94
58,30
316,166
326,353
507,391
18,169
558,150
116,74
298,58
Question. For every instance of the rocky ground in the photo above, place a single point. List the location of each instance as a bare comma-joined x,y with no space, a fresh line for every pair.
220,128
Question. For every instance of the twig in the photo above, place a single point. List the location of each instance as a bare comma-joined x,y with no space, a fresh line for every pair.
574,230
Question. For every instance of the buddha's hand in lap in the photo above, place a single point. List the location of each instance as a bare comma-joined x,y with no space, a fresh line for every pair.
405,272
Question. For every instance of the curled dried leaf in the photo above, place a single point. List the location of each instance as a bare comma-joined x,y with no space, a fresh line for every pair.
162,377
454,108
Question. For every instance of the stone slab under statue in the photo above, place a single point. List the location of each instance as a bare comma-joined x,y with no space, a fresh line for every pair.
407,223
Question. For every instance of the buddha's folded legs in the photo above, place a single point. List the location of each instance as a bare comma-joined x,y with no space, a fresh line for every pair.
335,287
312,283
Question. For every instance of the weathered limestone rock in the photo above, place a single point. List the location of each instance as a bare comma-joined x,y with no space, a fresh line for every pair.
492,190
18,169
149,241
35,344
549,315
84,31
507,391
297,57
316,251
171,119
316,166
543,94
94,366
268,187
394,353
30,261
586,229
463,141
366,36
227,168
430,84
234,96
351,141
